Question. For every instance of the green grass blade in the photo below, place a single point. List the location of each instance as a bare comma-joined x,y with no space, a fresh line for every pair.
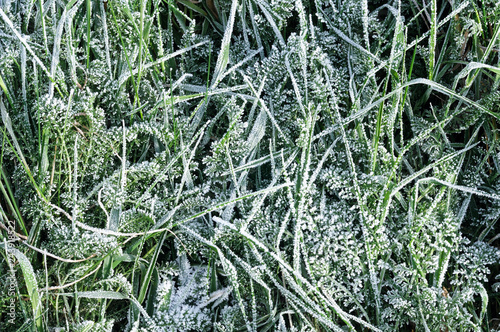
31,285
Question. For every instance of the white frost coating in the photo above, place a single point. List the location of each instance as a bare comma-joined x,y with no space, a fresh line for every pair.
412,177
55,52
75,186
273,120
23,41
186,175
23,79
203,89
256,101
255,163
322,161
31,283
471,66
469,190
5,4
287,268
271,22
258,130
256,31
365,23
223,58
127,74
443,271
424,81
110,295
8,124
352,42
220,66
299,6
422,37
295,86
178,82
106,38
123,177
242,62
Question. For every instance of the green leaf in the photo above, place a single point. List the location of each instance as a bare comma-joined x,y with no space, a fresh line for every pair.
30,281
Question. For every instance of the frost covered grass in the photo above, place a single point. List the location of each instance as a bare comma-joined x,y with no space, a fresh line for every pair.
250,165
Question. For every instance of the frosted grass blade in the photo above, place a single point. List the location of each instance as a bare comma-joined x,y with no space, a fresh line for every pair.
31,283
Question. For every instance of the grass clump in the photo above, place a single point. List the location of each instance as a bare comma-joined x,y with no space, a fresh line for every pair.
248,165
